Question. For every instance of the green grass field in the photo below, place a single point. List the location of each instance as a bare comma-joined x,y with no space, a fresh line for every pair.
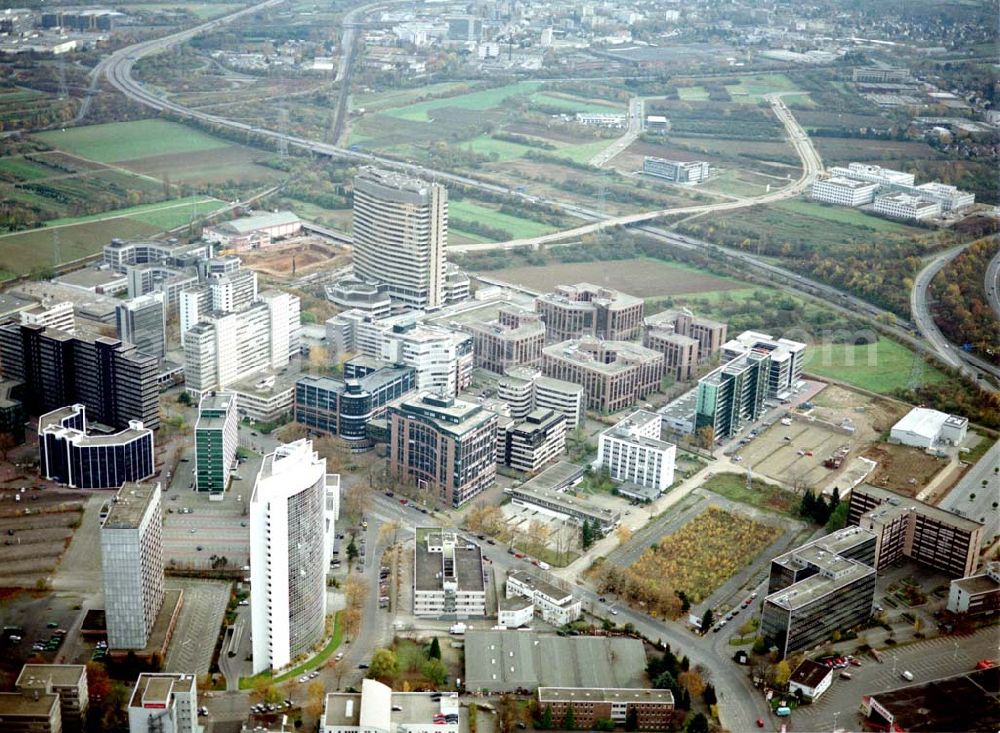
571,103
882,369
166,214
486,99
845,215
518,228
24,170
118,141
760,84
692,94
399,97
202,10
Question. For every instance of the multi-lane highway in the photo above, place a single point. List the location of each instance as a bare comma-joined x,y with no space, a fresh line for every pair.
992,283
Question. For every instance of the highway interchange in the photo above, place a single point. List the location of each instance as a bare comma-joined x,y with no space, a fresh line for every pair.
731,682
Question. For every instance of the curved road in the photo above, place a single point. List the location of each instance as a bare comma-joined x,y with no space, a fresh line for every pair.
992,283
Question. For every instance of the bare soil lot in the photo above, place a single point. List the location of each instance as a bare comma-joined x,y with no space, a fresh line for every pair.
641,278
306,254
902,469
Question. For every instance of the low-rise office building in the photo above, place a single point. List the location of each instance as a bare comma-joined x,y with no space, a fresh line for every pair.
680,353
377,709
677,171
709,334
824,586
649,709
352,293
164,703
51,315
614,374
842,191
632,452
874,174
444,443
30,712
924,428
906,206
555,605
949,197
585,309
69,681
810,679
547,493
251,232
88,457
216,438
344,407
536,441
447,576
525,389
976,594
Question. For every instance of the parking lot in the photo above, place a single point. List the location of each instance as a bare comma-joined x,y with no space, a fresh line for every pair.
198,625
196,528
34,619
35,526
793,452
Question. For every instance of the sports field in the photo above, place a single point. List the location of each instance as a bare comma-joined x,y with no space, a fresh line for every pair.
118,141
882,369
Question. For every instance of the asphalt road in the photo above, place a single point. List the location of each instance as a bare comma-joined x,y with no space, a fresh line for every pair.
992,283
974,495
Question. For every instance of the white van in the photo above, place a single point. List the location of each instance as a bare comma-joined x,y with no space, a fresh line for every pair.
908,676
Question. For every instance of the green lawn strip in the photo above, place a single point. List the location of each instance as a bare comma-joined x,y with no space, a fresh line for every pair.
472,238
247,683
572,103
890,370
25,170
202,10
518,227
486,145
146,213
844,215
399,97
580,152
482,100
692,94
763,495
118,141
177,215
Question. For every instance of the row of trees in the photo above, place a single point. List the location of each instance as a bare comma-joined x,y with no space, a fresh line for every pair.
830,512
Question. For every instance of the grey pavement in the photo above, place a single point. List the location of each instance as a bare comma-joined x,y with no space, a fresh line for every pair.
976,494
197,626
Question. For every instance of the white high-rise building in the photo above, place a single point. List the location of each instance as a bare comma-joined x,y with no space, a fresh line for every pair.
164,703
633,452
132,565
226,348
292,516
143,321
400,236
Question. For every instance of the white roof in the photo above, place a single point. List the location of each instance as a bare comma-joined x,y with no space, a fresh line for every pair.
922,421
376,706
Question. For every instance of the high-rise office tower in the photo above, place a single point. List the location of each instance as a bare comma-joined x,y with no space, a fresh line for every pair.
132,565
400,236
142,321
291,526
216,440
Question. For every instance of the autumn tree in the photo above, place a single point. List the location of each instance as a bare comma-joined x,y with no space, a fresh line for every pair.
435,671
384,665
782,673
623,533
692,682
315,698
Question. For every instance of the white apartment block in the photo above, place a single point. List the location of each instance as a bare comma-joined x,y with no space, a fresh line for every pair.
377,709
224,349
949,197
164,703
291,526
132,565
401,236
448,577
906,206
555,605
786,358
443,359
677,171
843,191
632,452
53,315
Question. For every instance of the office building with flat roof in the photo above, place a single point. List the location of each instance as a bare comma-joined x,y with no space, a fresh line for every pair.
909,528
925,428
906,206
92,457
142,321
950,197
555,605
69,681
874,174
400,236
585,309
976,594
649,709
12,415
843,191
633,453
614,374
115,382
534,442
732,396
448,580
352,293
709,335
344,407
676,171
216,438
964,702
377,709
786,358
548,493
50,315
515,338
824,586
30,711
291,523
164,703
443,443
525,389
132,565
680,353
253,232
